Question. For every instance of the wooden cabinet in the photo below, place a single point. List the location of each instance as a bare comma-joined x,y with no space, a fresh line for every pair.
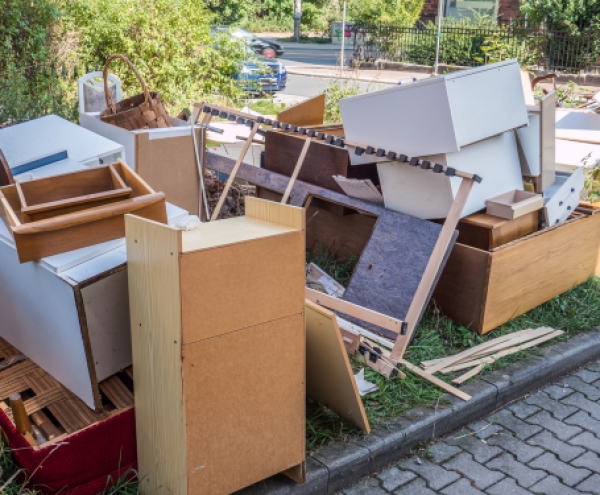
483,289
217,320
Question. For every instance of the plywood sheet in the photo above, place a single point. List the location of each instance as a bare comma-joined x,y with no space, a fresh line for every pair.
241,285
155,308
329,378
309,112
252,384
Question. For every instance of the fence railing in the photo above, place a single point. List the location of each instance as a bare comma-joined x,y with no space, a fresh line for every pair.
466,46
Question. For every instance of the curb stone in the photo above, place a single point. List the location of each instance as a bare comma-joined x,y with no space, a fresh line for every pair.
343,464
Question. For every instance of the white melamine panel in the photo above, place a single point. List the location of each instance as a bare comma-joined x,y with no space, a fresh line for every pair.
31,140
438,115
61,167
125,138
578,125
529,145
562,197
39,317
486,101
571,155
106,304
426,195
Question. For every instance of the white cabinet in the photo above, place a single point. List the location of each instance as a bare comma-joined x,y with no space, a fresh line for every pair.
427,195
562,197
440,114
51,145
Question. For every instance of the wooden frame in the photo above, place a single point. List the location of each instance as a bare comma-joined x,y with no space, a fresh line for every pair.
184,330
66,193
310,112
78,229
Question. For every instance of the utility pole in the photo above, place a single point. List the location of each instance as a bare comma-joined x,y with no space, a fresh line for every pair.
440,15
297,18
342,57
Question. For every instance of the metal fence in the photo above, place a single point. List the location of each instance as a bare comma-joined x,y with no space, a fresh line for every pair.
466,46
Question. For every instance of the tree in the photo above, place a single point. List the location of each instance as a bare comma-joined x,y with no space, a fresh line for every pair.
395,12
564,15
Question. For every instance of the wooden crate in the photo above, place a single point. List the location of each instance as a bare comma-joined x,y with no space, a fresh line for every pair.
61,194
483,289
81,228
217,319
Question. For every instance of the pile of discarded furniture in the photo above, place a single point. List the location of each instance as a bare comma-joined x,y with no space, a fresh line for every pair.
446,190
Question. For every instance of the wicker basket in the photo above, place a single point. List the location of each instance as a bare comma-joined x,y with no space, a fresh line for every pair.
141,111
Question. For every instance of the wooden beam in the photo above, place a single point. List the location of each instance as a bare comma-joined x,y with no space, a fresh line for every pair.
354,310
231,178
440,250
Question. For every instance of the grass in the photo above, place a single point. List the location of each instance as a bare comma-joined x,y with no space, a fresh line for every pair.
266,106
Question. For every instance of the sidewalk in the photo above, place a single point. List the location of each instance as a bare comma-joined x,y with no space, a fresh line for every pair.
547,443
365,75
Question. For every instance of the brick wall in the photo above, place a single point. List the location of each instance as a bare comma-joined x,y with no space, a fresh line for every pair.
430,8
509,9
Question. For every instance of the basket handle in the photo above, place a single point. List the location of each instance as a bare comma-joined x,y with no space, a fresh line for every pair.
108,96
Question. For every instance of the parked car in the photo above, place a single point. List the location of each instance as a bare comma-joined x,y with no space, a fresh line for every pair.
260,74
266,48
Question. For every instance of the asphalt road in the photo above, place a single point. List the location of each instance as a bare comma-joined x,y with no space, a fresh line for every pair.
313,54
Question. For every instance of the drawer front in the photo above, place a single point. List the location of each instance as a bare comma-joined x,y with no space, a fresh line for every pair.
565,200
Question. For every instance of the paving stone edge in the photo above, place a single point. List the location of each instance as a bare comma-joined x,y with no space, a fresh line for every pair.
343,464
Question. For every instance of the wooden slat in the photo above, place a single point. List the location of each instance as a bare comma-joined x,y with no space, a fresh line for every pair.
299,163
44,399
436,381
350,309
117,392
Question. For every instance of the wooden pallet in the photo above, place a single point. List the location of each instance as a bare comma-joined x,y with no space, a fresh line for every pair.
54,410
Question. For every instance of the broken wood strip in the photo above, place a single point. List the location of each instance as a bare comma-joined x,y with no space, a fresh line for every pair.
129,371
231,178
467,375
424,290
538,332
351,327
294,176
456,358
506,352
116,392
7,350
436,381
354,310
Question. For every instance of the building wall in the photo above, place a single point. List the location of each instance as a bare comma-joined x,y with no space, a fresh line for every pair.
508,9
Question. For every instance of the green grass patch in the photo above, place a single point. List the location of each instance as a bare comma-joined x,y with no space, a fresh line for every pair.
266,106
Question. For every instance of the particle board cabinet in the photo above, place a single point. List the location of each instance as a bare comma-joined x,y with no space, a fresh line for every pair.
219,349
482,289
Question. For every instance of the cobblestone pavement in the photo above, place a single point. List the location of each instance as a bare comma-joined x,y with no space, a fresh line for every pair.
547,443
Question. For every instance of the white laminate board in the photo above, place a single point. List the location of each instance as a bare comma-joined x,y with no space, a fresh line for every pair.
529,142
65,261
571,154
61,167
578,125
426,195
562,197
414,119
486,101
125,138
39,317
440,114
106,304
28,141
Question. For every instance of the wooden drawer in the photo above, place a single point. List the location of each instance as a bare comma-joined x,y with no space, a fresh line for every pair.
482,290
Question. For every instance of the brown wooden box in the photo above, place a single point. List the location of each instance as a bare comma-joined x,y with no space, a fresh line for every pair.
483,289
81,226
61,194
321,163
219,349
487,232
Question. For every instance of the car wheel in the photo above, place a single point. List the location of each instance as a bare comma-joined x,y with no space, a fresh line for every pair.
269,53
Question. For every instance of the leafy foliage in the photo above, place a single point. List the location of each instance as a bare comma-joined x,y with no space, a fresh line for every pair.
564,15
168,42
397,12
